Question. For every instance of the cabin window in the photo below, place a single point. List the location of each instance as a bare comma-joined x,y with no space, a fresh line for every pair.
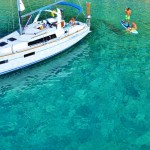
44,39
3,62
53,36
11,39
3,44
36,42
29,54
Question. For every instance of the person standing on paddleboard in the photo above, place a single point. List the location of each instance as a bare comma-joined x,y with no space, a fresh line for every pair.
127,16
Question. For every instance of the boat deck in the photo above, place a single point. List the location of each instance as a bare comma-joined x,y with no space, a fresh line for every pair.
35,31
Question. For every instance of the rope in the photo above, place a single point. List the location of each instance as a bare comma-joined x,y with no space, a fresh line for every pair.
12,14
31,9
27,22
29,5
8,18
82,7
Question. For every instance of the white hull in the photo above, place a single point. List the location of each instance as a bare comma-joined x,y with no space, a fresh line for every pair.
41,39
40,52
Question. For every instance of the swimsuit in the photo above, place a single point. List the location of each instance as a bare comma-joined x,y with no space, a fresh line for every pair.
127,17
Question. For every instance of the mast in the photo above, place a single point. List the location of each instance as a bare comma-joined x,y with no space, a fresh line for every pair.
20,7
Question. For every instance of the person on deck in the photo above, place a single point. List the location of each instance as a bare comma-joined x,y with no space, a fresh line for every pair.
72,21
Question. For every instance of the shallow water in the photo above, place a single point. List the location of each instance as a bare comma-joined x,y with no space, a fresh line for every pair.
94,96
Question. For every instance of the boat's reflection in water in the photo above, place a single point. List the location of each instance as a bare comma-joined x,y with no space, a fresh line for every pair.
49,70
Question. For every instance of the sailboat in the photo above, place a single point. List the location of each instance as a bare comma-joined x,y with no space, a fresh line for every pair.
40,39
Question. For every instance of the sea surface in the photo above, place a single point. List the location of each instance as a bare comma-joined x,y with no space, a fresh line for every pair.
94,96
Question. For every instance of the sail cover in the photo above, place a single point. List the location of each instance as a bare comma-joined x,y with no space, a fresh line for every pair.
72,5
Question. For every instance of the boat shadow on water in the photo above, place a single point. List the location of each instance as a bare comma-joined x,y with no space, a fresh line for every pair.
48,69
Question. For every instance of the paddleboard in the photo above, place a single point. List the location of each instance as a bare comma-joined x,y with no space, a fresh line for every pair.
126,25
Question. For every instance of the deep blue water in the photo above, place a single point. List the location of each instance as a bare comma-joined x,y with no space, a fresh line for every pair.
94,96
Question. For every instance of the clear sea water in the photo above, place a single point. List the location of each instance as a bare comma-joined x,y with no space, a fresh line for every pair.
94,96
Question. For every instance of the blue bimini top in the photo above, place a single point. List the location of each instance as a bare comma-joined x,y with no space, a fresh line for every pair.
72,5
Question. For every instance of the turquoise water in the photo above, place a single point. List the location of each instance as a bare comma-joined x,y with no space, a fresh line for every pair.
94,96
